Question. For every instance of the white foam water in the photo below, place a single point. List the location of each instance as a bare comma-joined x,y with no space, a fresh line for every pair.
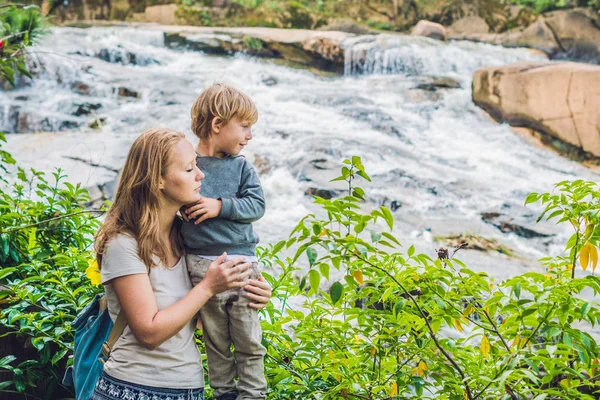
436,154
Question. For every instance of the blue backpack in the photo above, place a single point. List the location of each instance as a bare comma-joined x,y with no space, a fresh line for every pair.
95,335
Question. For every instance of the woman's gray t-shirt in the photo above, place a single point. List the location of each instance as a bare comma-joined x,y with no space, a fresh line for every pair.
176,363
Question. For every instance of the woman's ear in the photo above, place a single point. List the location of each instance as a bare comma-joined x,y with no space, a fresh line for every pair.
216,124
161,184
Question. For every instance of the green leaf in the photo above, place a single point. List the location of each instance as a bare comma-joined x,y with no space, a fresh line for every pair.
390,237
362,249
302,284
4,272
278,247
387,215
364,175
517,290
399,306
531,198
336,291
59,355
315,279
7,360
375,236
312,255
584,309
411,251
324,268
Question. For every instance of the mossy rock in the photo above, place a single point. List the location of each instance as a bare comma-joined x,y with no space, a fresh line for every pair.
475,242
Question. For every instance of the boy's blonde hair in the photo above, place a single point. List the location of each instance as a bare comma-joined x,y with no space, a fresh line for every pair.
223,102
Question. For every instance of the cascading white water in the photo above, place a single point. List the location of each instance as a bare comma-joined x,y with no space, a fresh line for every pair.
436,155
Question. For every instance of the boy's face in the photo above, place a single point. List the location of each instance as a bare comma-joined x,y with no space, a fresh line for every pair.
232,137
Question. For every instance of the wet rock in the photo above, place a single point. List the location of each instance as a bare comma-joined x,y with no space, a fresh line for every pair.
126,92
22,98
348,26
262,164
474,242
377,120
507,225
81,88
441,82
326,194
85,108
325,48
320,163
124,57
270,81
97,123
19,120
283,135
429,29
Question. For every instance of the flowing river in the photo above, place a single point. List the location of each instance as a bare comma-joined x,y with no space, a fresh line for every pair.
435,158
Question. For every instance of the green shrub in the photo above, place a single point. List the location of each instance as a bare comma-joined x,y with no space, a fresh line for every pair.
398,324
45,249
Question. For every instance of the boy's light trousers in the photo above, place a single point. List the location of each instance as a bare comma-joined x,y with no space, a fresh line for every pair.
226,319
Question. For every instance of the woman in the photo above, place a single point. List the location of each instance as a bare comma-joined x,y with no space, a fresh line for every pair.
144,273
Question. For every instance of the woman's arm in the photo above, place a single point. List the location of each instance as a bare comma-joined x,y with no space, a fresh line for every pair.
152,327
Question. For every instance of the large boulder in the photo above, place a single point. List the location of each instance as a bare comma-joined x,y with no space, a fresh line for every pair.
577,31
162,14
559,99
470,24
429,29
571,33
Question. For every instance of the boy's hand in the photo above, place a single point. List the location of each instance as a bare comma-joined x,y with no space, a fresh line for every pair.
205,208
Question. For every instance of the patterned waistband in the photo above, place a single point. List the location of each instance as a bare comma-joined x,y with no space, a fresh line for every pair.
109,388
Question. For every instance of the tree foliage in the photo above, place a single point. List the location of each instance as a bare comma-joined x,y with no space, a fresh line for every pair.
20,26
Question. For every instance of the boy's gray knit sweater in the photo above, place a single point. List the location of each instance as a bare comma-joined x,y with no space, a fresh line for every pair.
233,180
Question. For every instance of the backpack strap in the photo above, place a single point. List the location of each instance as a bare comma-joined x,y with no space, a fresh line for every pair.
116,331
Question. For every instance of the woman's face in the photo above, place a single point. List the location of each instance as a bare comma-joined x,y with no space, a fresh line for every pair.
181,183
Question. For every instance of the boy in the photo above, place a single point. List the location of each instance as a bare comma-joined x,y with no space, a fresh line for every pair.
222,118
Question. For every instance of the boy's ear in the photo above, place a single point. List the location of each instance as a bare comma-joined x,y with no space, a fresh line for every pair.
216,124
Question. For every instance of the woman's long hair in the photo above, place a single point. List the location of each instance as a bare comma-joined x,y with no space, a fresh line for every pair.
135,210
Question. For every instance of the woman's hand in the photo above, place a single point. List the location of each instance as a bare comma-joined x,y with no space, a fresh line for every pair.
259,291
222,276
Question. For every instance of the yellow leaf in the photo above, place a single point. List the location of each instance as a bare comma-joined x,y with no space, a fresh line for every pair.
516,341
421,368
358,275
469,310
594,257
373,351
323,233
394,390
584,256
548,276
466,395
337,377
457,325
485,347
522,342
569,267
92,272
331,354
